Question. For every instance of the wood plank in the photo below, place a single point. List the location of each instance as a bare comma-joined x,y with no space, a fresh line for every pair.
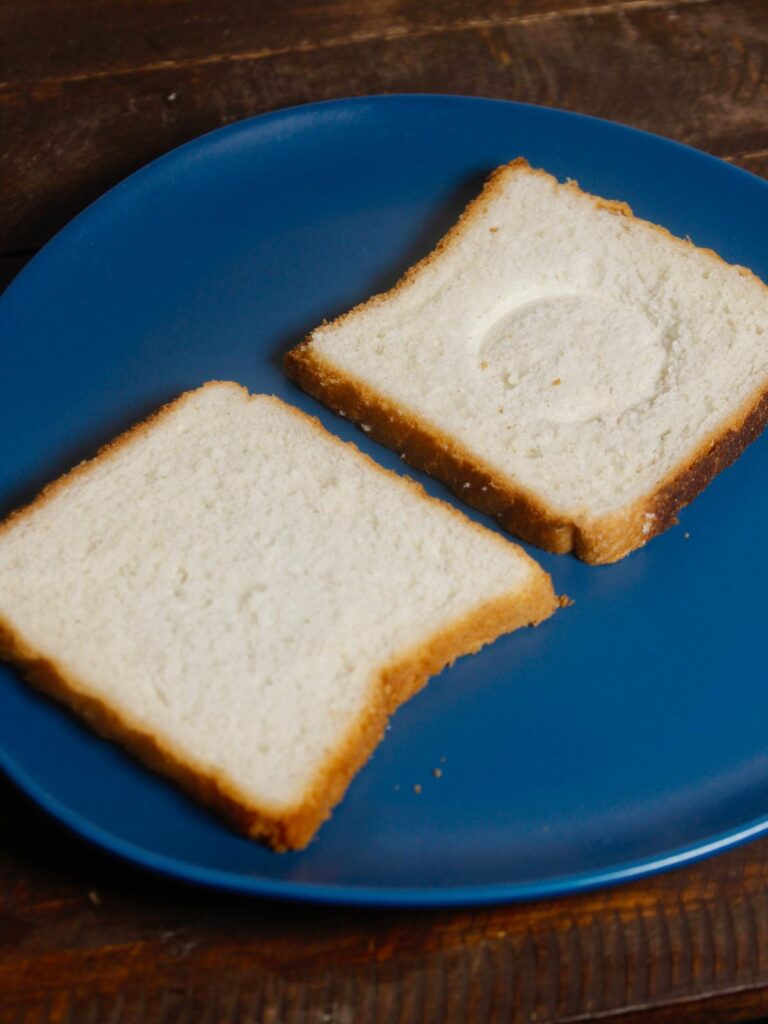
695,71
83,934
83,38
756,163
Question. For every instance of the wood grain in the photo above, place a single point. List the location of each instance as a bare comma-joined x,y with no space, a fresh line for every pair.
77,39
693,69
89,91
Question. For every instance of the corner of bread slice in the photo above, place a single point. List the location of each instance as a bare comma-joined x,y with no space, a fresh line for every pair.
115,723
393,684
612,537
281,828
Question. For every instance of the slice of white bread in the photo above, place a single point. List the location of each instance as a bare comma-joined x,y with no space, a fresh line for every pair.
577,372
241,600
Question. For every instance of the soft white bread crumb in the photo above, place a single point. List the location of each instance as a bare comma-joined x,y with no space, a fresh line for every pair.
242,599
579,357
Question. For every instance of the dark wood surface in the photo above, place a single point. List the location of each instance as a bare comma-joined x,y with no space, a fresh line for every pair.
89,91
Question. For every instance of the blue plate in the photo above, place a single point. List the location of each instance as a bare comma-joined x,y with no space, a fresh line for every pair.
626,735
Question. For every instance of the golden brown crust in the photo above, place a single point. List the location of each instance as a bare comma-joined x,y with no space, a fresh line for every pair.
293,827
49,677
614,537
393,684
424,446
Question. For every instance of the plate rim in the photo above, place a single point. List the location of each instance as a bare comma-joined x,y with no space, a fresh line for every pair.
347,894
258,885
244,124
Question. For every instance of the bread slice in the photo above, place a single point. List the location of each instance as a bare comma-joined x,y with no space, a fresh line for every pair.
577,372
241,600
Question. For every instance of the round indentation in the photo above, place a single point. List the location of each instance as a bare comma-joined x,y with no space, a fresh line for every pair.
573,358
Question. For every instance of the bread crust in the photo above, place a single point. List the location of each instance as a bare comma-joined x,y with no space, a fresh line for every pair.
519,510
286,827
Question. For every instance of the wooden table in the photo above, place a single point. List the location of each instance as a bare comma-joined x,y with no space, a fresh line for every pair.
91,90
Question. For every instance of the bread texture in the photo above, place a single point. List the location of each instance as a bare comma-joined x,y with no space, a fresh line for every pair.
241,600
577,372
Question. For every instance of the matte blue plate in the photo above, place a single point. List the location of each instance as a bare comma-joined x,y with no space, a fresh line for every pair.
626,735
